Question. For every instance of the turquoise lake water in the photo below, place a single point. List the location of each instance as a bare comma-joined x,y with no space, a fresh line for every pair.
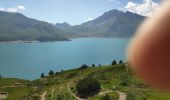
28,61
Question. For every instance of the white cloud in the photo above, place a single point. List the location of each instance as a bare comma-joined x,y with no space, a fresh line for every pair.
88,19
13,9
147,8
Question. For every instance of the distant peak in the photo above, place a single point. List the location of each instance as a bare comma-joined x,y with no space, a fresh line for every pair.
114,12
65,23
5,13
128,12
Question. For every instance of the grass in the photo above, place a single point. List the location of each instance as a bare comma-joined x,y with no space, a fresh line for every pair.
11,81
112,96
155,95
16,93
57,85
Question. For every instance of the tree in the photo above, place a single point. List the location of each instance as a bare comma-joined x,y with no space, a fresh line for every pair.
114,62
51,73
100,65
93,65
42,75
120,62
62,70
0,76
57,73
87,87
83,67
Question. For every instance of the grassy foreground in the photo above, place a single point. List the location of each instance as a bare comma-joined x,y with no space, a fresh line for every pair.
61,85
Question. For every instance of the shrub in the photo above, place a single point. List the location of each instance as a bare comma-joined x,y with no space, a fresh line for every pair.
57,73
114,62
51,73
135,95
83,67
62,71
110,96
42,75
120,62
87,87
93,65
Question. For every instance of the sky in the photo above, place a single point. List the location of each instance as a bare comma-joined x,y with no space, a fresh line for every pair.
75,11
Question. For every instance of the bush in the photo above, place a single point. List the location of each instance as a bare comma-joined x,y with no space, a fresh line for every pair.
51,73
93,65
114,62
83,67
120,62
110,96
135,95
62,71
57,73
42,75
87,87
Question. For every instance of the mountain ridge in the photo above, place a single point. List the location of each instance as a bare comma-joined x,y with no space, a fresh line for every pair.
113,23
16,26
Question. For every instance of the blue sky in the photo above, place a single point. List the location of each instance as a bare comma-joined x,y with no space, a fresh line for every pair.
71,11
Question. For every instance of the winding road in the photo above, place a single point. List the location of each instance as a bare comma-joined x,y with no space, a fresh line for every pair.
122,95
43,96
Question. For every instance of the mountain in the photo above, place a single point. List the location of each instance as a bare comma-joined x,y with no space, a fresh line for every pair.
113,23
15,26
71,31
63,25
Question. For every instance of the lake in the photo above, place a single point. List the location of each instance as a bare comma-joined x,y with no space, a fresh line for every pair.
29,60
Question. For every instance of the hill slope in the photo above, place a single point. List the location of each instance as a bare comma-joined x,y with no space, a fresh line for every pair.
15,26
61,85
113,23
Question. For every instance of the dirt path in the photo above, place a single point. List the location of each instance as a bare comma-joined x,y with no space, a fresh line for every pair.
43,96
122,95
61,87
3,96
52,92
73,93
9,86
102,93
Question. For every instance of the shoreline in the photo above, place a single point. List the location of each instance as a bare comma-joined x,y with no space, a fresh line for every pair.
16,42
27,42
35,41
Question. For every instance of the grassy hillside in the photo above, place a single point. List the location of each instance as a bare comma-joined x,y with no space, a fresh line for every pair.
114,80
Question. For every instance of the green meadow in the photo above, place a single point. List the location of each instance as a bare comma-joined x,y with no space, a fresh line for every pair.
114,79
